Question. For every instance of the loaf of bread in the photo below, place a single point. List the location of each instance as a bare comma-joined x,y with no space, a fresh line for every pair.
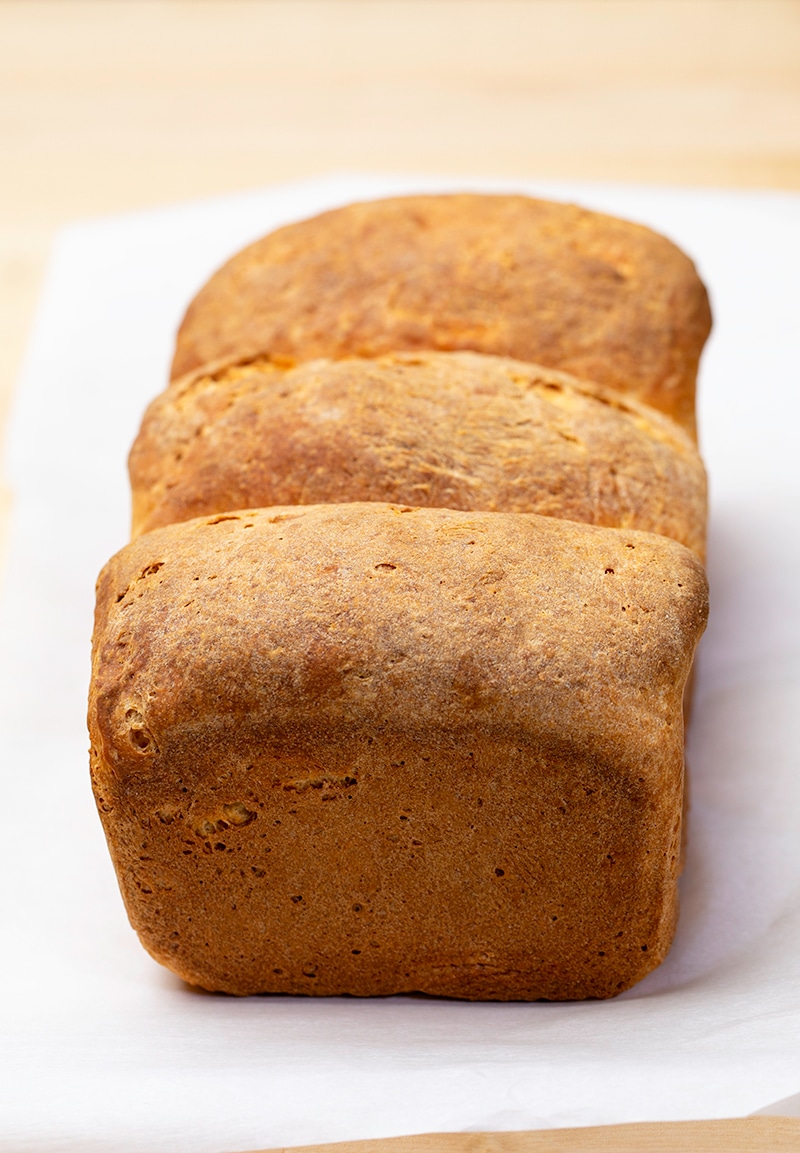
366,748
602,298
446,430
387,689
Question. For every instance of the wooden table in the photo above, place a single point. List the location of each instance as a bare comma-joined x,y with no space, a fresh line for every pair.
106,107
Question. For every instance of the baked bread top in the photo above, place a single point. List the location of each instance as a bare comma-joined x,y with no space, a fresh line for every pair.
447,430
334,591
545,282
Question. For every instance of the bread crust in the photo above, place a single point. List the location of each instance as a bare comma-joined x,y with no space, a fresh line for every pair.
446,430
368,748
550,283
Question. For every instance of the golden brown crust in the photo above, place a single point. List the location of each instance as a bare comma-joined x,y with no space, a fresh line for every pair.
365,749
550,283
443,430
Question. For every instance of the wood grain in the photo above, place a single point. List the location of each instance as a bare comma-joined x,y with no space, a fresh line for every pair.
765,1134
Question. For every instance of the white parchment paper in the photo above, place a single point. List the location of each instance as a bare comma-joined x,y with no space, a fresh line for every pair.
102,1049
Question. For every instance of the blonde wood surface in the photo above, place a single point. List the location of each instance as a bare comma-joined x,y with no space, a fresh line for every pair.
106,107
751,1134
121,105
